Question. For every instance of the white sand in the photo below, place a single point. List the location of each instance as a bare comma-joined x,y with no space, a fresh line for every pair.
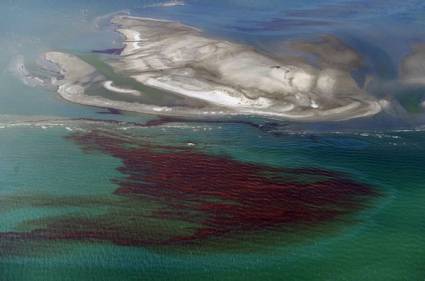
178,58
232,78
109,85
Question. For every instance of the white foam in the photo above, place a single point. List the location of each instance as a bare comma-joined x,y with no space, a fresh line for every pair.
166,4
110,86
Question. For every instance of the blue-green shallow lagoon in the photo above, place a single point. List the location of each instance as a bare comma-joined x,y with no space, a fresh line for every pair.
382,242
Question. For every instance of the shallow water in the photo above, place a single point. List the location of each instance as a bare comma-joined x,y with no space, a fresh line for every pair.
52,181
382,241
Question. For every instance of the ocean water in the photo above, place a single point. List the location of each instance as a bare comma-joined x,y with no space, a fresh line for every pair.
71,206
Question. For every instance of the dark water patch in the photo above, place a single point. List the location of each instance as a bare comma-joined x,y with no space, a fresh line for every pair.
228,195
114,51
271,127
266,127
408,97
194,197
376,60
111,111
411,99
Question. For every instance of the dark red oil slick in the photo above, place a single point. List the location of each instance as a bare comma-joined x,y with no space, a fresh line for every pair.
220,196
229,195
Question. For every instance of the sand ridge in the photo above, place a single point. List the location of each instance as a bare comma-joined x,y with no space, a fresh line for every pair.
231,78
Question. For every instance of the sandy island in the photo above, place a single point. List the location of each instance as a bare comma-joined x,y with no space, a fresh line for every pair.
231,78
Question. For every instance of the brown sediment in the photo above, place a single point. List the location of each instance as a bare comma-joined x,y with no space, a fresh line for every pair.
331,52
206,196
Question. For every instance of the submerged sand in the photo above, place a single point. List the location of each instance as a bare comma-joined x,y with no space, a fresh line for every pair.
412,69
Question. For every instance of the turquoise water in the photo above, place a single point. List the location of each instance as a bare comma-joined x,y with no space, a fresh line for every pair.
382,242
45,176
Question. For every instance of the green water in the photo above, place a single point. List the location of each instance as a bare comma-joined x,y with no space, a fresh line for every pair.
383,242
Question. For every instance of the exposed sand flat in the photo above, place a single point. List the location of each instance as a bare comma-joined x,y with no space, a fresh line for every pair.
178,58
74,70
132,44
77,75
166,4
230,78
